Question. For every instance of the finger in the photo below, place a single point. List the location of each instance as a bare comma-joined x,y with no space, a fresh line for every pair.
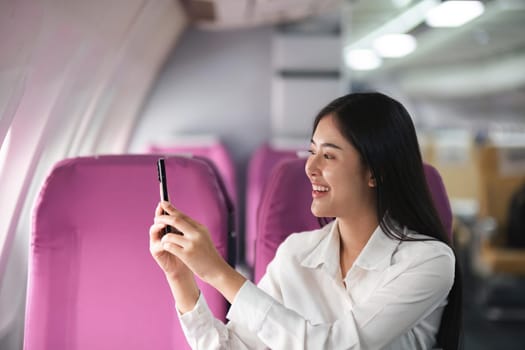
168,207
159,210
155,245
171,210
178,222
174,238
173,247
156,232
156,249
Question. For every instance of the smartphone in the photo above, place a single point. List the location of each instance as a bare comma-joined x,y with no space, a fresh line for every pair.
161,171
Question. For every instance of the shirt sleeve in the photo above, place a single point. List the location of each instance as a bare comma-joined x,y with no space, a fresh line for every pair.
392,310
204,332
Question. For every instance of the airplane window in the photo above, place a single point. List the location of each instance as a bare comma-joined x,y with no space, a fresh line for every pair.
4,148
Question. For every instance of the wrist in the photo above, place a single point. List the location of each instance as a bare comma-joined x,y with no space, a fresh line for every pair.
175,276
218,275
227,281
185,292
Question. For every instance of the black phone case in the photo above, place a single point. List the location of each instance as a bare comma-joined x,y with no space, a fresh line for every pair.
161,171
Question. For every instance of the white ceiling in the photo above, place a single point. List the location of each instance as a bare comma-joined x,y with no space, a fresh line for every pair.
485,56
228,14
500,31
489,47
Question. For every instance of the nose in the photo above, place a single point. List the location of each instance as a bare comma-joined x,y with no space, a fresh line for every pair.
311,167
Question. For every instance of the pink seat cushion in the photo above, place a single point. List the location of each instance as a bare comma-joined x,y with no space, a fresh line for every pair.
439,196
284,209
92,281
261,165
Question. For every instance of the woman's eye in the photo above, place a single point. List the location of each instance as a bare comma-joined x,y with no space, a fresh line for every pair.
328,156
311,151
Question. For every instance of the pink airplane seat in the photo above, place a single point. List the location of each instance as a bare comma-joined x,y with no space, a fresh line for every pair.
285,208
232,217
439,196
260,167
92,281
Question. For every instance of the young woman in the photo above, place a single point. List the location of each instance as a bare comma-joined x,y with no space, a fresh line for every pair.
381,275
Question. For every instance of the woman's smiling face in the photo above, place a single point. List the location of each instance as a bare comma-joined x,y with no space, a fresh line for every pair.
341,184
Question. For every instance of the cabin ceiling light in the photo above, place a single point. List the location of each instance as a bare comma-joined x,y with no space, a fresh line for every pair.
401,3
404,22
361,59
394,45
454,13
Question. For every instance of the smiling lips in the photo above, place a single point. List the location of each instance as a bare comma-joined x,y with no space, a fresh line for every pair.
319,190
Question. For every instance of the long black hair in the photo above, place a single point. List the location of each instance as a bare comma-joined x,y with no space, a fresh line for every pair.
383,133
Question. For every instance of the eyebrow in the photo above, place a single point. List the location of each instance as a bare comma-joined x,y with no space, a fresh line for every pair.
327,144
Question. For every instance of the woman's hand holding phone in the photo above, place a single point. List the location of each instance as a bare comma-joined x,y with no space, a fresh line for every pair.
188,250
169,263
196,250
194,247
172,266
180,278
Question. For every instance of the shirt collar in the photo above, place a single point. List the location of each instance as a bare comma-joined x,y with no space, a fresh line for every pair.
378,251
325,253
376,255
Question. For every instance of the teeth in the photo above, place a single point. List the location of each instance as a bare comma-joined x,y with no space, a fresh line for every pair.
320,188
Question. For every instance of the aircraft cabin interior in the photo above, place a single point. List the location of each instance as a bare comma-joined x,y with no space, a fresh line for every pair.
93,93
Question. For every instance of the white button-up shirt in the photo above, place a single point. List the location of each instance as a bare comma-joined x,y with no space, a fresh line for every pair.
392,298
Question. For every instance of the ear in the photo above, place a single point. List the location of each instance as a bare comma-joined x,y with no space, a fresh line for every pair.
371,180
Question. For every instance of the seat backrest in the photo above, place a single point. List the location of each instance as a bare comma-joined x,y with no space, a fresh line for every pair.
92,281
285,208
260,167
439,196
233,218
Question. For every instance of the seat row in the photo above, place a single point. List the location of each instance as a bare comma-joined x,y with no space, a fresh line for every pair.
278,195
92,283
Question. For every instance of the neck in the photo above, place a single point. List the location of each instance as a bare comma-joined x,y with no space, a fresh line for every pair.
354,234
356,231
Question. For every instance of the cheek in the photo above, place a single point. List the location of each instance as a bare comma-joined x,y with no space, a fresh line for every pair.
338,178
347,183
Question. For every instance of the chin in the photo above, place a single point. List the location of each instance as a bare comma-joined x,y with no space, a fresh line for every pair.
321,212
